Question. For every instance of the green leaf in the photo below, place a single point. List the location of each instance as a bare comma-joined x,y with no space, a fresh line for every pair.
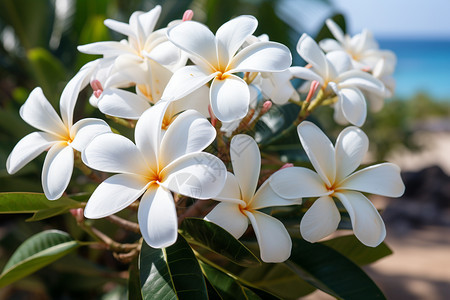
214,238
32,20
171,273
276,279
228,287
330,271
48,213
353,249
36,253
134,283
48,72
17,203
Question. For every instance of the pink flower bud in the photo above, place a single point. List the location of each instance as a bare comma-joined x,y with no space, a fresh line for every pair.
78,214
97,87
287,165
188,14
266,106
312,90
213,117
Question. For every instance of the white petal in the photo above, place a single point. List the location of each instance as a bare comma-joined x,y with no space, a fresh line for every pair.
70,93
319,150
266,197
229,217
198,100
197,175
329,45
148,131
231,35
382,179
27,149
366,221
340,61
119,27
336,31
297,182
338,115
57,170
85,130
305,73
157,218
320,220
184,81
230,98
122,104
108,48
361,80
114,153
190,132
231,191
246,161
261,57
132,67
351,146
114,194
40,114
159,78
354,106
168,55
311,53
148,20
196,39
273,239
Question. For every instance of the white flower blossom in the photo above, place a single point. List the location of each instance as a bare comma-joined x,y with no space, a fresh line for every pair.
217,58
240,203
59,136
362,48
161,162
334,72
335,178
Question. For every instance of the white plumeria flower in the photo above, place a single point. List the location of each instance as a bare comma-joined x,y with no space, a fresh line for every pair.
126,63
142,43
61,137
161,162
124,104
217,59
240,203
334,72
276,86
229,127
335,177
362,48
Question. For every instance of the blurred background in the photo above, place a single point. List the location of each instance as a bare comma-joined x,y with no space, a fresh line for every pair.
38,40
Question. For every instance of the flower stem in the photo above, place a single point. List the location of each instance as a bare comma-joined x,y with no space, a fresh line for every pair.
125,224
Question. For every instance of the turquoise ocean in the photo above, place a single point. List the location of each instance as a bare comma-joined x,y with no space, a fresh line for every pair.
422,66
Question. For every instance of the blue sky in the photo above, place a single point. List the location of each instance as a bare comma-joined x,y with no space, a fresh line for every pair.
398,18
385,18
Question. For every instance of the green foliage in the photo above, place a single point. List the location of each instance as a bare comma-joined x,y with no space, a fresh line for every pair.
228,288
35,203
353,249
35,253
331,272
214,238
32,21
171,273
47,70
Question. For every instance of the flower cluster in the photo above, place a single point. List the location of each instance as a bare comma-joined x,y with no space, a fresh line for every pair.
193,98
